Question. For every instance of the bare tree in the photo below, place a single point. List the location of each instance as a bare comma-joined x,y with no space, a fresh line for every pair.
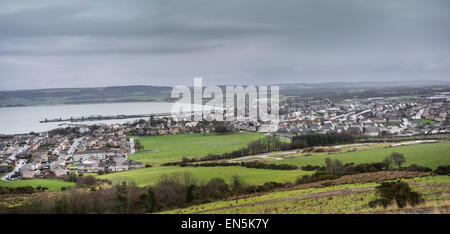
236,185
334,167
398,158
387,162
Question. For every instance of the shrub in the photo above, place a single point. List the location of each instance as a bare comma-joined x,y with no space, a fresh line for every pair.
318,176
398,191
71,178
334,167
415,167
443,170
216,188
86,181
17,190
312,168
148,199
41,188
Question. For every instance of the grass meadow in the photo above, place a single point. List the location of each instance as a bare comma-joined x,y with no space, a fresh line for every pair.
52,185
171,148
149,176
429,155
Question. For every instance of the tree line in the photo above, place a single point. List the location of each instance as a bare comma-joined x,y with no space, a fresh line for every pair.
176,190
254,164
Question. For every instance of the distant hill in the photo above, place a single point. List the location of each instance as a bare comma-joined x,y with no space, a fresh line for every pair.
369,84
141,93
85,95
344,90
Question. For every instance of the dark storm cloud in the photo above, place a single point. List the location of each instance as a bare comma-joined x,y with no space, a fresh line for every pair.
167,42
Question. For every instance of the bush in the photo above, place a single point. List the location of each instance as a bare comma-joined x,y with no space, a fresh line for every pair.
41,188
398,191
71,178
216,188
334,167
312,168
170,192
443,170
288,185
86,181
415,167
18,190
318,176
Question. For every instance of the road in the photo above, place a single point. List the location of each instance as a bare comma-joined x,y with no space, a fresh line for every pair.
419,114
19,163
132,150
266,156
74,145
71,150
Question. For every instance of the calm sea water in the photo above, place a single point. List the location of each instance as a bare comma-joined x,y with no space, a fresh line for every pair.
26,119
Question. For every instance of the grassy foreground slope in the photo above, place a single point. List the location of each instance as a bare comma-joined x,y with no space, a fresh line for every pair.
52,185
171,148
149,176
428,155
347,198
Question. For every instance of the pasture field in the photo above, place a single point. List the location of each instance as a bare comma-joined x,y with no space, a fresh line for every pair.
149,176
172,148
347,198
52,185
429,155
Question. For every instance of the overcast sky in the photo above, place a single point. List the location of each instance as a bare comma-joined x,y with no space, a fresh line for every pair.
50,44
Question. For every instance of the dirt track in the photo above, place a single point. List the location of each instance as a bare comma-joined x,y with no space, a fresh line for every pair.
425,210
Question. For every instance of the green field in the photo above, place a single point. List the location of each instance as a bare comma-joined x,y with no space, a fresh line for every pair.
428,155
52,185
172,148
427,122
148,176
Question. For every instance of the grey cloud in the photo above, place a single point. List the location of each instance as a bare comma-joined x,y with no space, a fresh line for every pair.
167,42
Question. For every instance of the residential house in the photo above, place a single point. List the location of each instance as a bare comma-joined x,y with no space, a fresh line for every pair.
4,167
379,120
372,131
94,154
26,172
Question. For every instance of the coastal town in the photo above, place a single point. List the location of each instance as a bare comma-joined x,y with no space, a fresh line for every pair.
224,111
370,117
82,148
